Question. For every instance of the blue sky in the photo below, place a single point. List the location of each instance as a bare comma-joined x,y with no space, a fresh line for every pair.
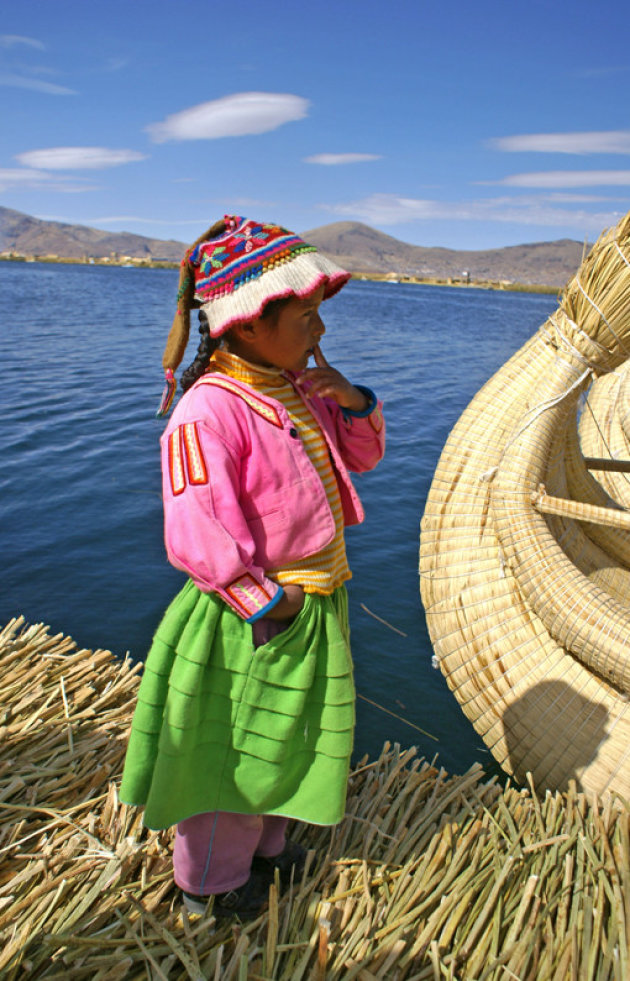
456,124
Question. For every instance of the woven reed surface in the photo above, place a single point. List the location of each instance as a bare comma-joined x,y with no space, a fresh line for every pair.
528,613
581,485
605,424
429,876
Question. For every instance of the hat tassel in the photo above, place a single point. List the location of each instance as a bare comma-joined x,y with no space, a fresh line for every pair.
168,394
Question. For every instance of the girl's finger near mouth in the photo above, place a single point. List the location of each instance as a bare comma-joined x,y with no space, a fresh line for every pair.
320,360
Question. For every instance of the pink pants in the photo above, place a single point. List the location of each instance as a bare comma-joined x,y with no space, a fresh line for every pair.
213,852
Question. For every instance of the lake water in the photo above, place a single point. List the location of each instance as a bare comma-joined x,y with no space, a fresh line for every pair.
80,507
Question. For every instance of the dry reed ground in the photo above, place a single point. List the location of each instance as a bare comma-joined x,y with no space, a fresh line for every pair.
429,875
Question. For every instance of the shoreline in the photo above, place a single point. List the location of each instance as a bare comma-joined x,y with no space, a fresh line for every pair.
483,284
130,262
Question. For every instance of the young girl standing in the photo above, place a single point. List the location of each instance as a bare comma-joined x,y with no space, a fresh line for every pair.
245,713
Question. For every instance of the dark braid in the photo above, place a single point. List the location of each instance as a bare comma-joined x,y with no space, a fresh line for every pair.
207,345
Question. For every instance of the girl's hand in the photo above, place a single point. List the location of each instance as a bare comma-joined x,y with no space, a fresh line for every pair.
327,382
289,605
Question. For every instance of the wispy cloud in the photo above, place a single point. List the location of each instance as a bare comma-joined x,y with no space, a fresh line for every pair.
116,64
12,80
566,178
243,114
12,179
124,221
15,176
611,141
13,40
388,209
244,202
334,159
568,197
78,158
118,219
20,76
602,72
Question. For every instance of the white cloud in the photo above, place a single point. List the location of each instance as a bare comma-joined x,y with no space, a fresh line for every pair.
78,158
567,178
243,114
613,141
332,159
12,80
388,209
11,40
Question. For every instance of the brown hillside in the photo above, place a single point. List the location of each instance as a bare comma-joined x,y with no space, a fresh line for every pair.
356,246
362,249
26,235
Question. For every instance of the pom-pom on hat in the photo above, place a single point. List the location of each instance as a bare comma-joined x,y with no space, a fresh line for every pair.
232,271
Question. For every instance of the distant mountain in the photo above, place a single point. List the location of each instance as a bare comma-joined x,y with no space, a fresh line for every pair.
362,249
26,235
358,247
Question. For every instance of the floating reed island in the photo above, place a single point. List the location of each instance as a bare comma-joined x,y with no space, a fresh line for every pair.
429,876
525,542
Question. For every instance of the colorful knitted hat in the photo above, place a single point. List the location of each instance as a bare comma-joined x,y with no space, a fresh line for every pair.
232,271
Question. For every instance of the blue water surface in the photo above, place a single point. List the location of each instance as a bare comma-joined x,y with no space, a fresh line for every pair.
80,507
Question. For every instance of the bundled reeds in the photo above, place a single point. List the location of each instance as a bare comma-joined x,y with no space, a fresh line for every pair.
525,556
429,876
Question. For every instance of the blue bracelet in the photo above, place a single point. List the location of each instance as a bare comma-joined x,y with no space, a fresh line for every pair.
372,403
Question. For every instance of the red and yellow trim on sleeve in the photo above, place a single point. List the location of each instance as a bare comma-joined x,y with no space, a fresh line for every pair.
176,463
256,403
248,597
186,462
195,461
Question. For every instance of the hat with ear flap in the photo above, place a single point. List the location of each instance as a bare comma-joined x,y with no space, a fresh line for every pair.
177,340
232,271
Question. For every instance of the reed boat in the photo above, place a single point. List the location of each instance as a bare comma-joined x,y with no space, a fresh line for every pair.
525,542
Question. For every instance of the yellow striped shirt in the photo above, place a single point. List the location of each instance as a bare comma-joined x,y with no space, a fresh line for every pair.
326,570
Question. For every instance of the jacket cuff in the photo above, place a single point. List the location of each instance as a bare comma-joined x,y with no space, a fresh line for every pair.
265,610
372,403
250,598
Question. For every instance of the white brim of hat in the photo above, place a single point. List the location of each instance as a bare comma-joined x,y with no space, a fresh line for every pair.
299,277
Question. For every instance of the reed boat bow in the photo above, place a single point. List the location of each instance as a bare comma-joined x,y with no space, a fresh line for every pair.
528,601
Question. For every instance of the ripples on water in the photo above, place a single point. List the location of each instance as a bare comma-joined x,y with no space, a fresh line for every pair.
80,508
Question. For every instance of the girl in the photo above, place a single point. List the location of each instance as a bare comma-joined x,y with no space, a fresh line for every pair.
245,713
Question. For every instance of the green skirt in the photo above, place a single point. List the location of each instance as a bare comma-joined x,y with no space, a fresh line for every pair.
223,726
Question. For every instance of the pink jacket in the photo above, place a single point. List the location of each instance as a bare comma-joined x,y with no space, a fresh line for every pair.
241,494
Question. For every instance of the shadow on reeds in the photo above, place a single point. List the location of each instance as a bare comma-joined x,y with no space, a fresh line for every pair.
553,732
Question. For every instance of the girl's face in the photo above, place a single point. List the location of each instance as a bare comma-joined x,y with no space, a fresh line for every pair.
285,341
